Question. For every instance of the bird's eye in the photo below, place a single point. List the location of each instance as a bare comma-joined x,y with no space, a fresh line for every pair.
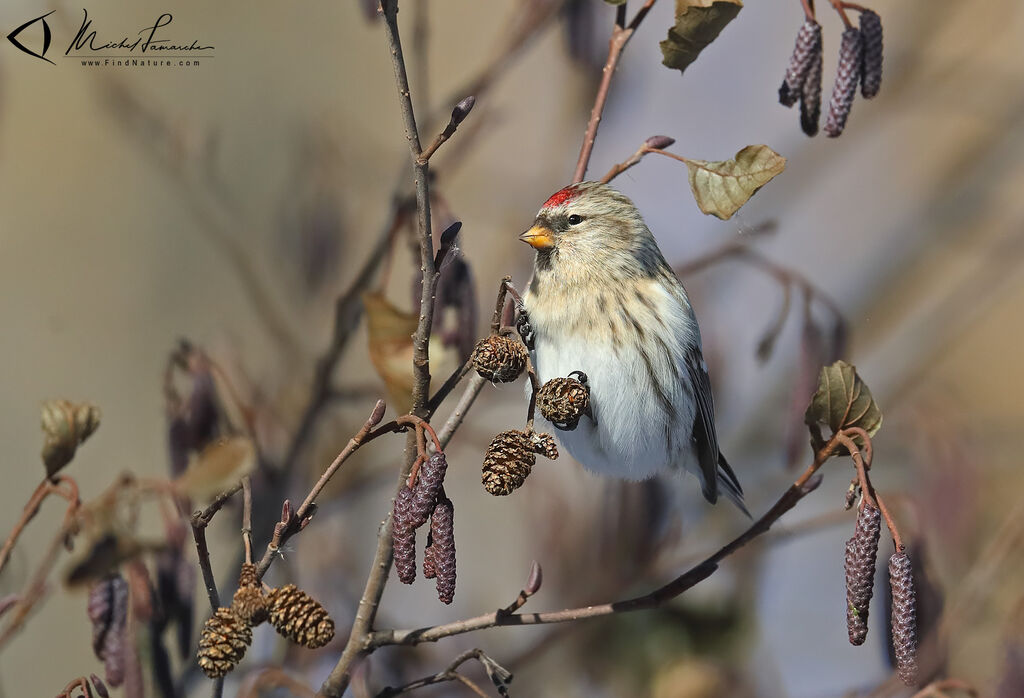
575,220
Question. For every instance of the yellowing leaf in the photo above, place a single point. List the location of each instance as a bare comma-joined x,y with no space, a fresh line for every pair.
698,23
391,331
218,467
722,187
841,401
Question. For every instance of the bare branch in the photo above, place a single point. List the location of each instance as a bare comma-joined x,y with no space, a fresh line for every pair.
696,574
621,34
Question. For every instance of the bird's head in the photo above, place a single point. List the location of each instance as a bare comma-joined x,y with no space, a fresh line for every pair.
588,224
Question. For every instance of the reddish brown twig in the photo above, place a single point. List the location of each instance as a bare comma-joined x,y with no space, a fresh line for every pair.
621,34
285,529
46,488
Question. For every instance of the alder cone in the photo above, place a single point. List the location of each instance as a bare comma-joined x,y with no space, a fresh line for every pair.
562,401
808,45
223,643
250,605
844,90
300,617
810,95
507,463
861,551
871,62
904,617
545,445
499,358
442,531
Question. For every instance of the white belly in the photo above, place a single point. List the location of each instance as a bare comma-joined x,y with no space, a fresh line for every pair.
630,435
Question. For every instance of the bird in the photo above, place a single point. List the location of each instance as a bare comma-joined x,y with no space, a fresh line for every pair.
603,301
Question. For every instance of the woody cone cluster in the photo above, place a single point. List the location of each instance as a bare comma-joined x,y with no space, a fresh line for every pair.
293,613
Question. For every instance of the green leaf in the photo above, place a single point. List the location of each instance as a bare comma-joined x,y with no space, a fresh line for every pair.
722,187
616,2
698,23
841,401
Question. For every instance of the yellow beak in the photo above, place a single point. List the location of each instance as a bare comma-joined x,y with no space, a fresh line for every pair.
539,237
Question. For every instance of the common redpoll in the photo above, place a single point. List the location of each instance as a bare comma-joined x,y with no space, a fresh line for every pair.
604,301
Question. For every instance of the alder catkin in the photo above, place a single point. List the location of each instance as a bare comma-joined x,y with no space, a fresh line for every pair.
403,536
808,45
810,94
904,617
847,76
871,62
428,484
861,552
442,531
108,611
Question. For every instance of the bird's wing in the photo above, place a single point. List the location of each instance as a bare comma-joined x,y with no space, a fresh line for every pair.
704,436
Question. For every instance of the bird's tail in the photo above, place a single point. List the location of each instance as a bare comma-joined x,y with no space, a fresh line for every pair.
729,484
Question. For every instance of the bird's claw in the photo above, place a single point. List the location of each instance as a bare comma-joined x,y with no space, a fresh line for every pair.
525,329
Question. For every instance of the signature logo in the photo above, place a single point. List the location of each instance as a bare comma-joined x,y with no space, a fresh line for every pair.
47,37
146,39
90,42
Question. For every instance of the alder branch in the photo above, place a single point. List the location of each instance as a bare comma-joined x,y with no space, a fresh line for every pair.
498,674
46,488
805,484
621,34
292,523
338,680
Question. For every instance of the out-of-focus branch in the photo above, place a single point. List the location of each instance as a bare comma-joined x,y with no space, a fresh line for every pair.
621,34
292,523
44,490
450,673
805,484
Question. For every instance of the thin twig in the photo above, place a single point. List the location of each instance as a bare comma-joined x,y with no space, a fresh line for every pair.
285,530
46,488
621,35
449,673
797,491
247,519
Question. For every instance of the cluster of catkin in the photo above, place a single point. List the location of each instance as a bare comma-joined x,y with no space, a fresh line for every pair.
860,62
861,555
414,506
511,455
292,612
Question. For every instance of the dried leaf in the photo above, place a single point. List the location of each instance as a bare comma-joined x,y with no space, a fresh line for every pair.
722,187
390,336
841,401
698,23
66,425
217,468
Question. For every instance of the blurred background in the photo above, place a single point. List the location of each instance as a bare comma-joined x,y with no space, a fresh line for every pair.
232,202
